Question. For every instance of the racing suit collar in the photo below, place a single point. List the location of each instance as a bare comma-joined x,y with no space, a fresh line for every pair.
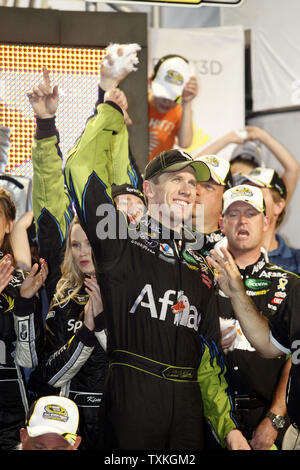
154,229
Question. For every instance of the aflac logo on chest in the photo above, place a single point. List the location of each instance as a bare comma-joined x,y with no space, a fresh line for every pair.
184,313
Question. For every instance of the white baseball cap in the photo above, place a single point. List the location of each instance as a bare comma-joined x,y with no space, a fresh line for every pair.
266,178
219,169
245,193
169,77
53,414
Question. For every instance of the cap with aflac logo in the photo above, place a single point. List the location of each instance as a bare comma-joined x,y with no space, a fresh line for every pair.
169,77
175,160
219,169
244,193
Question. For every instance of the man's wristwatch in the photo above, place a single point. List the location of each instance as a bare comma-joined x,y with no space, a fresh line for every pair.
277,421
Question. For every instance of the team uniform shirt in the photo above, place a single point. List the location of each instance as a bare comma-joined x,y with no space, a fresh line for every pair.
163,129
71,362
285,334
15,324
209,241
250,374
163,334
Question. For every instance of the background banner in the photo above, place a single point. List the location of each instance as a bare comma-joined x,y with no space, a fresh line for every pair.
216,56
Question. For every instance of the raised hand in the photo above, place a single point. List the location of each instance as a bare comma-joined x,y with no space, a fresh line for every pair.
120,60
35,280
190,90
44,98
94,305
117,96
6,269
226,272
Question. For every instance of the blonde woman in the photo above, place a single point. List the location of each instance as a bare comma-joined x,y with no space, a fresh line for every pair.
72,361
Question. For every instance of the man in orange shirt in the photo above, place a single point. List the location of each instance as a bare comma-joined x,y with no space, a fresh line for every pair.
170,104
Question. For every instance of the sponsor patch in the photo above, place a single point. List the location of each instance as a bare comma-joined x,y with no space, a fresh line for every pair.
23,330
191,266
55,412
272,307
269,274
257,284
166,249
282,283
141,245
189,258
280,294
276,301
256,292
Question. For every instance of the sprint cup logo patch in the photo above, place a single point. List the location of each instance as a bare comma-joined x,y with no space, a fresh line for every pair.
211,160
241,192
174,77
55,412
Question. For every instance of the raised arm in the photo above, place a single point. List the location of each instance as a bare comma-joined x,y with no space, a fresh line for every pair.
51,200
254,324
185,134
99,159
230,138
285,158
20,242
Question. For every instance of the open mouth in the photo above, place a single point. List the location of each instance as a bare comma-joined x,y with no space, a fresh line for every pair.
243,234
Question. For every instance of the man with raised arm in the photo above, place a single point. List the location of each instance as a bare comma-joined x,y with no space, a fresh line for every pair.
166,370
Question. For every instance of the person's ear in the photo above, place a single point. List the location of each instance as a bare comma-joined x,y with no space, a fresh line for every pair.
77,443
9,226
266,223
148,188
221,224
279,206
23,434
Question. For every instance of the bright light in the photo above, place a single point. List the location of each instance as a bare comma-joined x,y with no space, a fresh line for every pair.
74,70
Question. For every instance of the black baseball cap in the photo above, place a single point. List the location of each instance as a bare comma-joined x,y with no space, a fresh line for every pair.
118,190
175,160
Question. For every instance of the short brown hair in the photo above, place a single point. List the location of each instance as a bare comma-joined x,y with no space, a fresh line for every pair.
277,198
